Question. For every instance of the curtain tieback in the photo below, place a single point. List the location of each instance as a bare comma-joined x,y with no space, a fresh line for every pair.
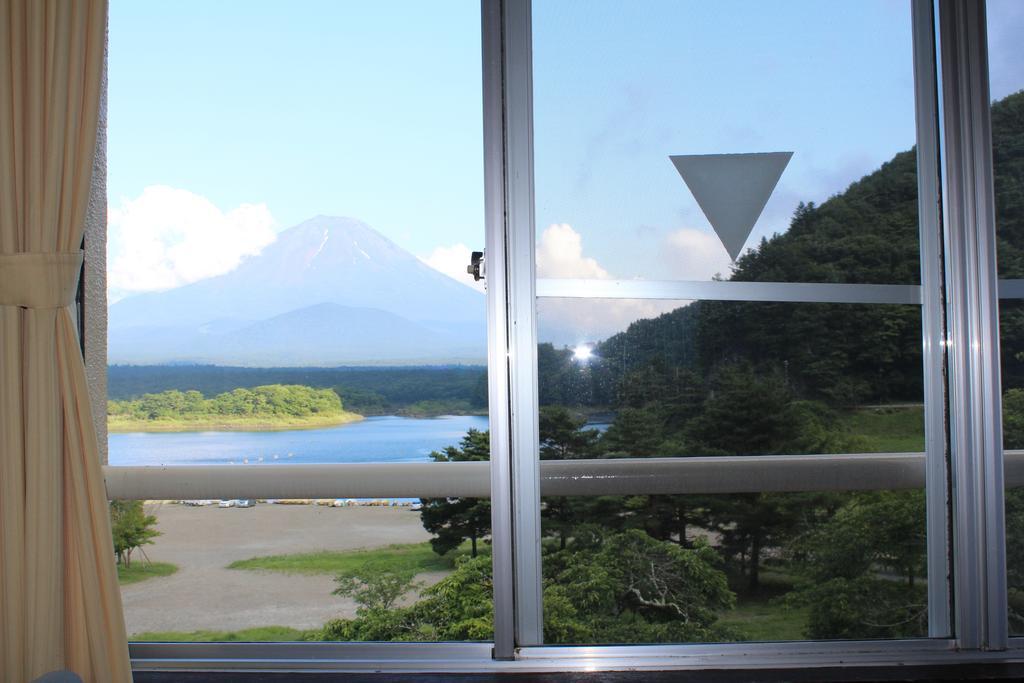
39,279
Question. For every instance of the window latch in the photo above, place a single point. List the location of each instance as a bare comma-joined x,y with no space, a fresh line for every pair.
476,266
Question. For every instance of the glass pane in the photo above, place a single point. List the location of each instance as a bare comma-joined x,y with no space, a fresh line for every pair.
811,104
266,570
716,379
1006,63
1011,323
1006,79
738,567
293,202
839,362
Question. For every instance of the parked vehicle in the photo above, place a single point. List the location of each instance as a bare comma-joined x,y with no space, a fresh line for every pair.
227,503
245,503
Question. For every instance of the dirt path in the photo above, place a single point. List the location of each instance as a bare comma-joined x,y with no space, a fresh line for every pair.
202,541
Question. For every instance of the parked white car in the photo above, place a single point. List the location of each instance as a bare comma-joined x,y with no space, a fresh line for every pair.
227,503
245,503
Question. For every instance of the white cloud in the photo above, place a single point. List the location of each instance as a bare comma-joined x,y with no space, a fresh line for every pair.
168,237
689,254
560,255
452,261
692,254
567,322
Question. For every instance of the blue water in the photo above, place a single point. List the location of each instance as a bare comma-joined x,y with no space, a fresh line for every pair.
375,439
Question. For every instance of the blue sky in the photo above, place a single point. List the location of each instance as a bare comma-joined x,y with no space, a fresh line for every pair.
240,119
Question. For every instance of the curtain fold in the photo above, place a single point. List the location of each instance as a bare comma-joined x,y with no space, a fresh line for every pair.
60,606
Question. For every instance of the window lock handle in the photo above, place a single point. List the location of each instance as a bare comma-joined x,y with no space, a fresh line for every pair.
476,266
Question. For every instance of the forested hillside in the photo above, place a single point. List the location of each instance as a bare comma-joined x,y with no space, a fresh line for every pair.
368,391
842,354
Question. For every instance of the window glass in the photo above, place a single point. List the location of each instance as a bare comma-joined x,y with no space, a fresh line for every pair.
294,193
747,142
805,108
715,380
1006,80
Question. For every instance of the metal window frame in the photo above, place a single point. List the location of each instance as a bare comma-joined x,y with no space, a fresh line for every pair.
933,324
500,419
515,477
728,290
517,80
972,309
929,295
591,477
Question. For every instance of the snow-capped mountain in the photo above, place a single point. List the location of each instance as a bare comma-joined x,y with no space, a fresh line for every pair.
328,291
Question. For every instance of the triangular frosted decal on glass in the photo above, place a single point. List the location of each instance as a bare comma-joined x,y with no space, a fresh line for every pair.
732,190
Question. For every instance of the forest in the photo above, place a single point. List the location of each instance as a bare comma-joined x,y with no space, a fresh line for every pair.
270,406
413,391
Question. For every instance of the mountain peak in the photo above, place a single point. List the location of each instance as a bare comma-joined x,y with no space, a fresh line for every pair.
323,260
333,241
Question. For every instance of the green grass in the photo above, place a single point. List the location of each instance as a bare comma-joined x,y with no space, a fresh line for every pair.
761,615
260,634
409,557
140,571
760,619
887,430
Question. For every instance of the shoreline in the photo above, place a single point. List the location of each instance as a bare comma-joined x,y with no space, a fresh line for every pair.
118,426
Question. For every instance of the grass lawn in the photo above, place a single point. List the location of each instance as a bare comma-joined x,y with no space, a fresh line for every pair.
140,571
762,620
409,557
759,615
888,430
260,634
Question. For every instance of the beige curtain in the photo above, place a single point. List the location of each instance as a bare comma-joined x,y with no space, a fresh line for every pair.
60,607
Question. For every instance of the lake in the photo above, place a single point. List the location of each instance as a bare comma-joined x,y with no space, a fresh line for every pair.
375,439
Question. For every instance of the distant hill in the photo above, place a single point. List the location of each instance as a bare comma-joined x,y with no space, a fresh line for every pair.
328,291
367,390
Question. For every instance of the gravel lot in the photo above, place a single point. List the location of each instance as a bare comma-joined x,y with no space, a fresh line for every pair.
202,541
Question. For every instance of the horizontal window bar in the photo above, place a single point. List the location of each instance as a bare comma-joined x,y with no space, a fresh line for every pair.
715,290
1011,289
298,655
613,476
468,657
343,480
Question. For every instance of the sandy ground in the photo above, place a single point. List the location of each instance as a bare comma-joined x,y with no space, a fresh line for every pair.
202,541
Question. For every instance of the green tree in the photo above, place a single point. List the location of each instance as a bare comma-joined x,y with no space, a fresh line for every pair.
620,587
131,528
629,587
454,520
635,433
860,570
373,587
748,413
562,437
274,400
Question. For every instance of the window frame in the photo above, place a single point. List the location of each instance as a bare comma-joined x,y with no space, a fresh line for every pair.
963,461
